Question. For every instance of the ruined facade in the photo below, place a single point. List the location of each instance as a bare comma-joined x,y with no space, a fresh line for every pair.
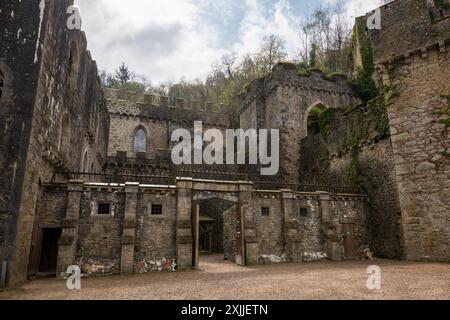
88,179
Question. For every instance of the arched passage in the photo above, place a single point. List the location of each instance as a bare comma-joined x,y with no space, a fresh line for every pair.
312,117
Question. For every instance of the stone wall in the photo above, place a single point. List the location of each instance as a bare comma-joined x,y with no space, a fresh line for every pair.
55,98
421,141
283,101
417,19
352,155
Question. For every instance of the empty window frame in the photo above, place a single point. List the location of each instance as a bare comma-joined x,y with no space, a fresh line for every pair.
157,210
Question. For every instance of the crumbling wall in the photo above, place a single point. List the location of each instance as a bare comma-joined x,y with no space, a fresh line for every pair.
283,101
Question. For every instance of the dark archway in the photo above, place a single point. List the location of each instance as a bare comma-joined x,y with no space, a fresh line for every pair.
313,118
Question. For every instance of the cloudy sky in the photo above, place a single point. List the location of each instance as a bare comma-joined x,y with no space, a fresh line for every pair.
170,39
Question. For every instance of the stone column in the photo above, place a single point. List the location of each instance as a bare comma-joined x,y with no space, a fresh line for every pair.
292,239
129,228
333,247
184,223
67,241
250,239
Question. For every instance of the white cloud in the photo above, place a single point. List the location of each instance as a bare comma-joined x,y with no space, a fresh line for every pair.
260,21
169,39
163,39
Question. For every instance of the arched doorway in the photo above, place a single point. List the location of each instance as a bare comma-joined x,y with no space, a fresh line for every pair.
313,116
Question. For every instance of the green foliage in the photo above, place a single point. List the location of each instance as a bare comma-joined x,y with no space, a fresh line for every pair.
378,115
123,74
354,171
314,121
130,86
365,85
445,112
326,120
245,89
334,76
442,3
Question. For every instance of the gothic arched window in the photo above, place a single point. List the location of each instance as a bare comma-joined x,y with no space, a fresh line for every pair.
140,141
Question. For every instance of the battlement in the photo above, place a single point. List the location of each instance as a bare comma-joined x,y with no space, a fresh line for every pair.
407,25
156,101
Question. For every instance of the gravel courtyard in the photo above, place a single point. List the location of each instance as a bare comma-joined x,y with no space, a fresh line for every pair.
222,280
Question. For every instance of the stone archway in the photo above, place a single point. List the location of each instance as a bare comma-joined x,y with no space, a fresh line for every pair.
188,192
310,111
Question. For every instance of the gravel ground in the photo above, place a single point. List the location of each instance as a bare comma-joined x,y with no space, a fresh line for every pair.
221,280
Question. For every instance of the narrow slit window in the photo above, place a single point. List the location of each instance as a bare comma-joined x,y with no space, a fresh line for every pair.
265,211
1,84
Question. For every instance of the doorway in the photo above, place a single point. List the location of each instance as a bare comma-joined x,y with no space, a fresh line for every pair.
214,230
348,231
49,251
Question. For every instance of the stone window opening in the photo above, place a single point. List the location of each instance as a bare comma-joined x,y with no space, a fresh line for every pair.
265,211
2,83
72,73
140,141
157,210
303,212
84,162
104,209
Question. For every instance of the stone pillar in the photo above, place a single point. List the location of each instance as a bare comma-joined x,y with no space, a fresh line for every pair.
333,247
69,235
129,228
292,239
184,224
250,239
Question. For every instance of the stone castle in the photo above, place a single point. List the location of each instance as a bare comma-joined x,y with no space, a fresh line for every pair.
87,177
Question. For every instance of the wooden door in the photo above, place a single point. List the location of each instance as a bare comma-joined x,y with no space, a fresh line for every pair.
195,235
240,236
349,240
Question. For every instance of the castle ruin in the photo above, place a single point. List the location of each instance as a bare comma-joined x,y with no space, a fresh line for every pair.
87,177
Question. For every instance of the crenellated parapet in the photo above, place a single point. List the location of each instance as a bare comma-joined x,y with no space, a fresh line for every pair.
311,83
158,107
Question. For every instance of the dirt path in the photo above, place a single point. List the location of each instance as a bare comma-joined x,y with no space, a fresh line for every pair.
221,280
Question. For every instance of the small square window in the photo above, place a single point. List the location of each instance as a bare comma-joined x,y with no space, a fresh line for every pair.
303,212
104,209
265,211
157,209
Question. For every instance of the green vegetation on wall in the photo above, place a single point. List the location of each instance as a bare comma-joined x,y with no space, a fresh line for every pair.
363,79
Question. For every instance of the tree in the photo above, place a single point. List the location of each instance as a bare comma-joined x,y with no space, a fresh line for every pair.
325,39
270,53
123,74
